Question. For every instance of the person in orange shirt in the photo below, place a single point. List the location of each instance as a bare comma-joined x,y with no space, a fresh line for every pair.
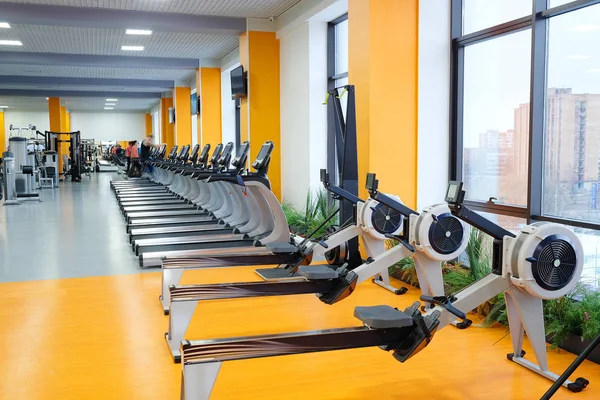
136,167
128,155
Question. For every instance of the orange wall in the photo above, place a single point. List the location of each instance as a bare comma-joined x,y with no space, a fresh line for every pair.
2,134
166,128
210,104
183,116
264,120
359,74
384,33
245,61
148,124
54,114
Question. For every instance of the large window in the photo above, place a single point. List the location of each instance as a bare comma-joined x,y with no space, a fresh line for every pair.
526,113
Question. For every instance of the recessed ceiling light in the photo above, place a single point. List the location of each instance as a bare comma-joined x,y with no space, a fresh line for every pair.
586,28
112,99
4,25
578,57
47,98
138,32
110,104
3,106
132,48
11,43
108,108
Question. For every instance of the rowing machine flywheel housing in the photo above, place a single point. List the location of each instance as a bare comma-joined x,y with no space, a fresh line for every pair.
438,233
545,259
378,220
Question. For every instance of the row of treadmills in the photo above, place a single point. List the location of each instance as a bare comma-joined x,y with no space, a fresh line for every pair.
196,202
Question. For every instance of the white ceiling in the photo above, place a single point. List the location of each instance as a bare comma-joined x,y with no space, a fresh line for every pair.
108,42
67,71
87,104
225,8
44,40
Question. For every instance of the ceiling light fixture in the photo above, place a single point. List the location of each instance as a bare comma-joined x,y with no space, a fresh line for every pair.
47,98
138,32
4,25
578,57
132,48
108,108
3,106
112,99
11,43
110,104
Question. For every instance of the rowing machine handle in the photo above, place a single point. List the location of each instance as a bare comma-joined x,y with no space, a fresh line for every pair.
444,301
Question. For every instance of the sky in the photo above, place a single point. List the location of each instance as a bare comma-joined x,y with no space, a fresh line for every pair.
497,72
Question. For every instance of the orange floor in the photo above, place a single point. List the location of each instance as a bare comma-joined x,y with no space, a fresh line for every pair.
101,338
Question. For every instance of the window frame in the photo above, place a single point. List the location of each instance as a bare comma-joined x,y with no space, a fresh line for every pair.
538,23
331,79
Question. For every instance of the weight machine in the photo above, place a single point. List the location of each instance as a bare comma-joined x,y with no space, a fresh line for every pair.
53,140
22,174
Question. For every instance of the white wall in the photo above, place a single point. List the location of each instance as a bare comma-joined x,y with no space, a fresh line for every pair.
227,106
109,126
303,79
434,101
20,119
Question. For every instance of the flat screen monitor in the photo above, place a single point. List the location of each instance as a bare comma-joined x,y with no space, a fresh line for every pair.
238,82
194,103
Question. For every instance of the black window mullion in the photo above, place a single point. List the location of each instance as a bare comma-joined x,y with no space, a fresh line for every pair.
456,92
539,41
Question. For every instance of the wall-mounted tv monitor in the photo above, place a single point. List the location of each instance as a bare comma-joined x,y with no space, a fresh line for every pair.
238,82
195,103
171,115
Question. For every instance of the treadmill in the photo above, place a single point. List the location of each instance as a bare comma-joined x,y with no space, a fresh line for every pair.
165,187
266,219
205,199
232,223
181,203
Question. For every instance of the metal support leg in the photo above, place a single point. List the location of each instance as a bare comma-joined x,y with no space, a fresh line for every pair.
198,380
180,315
170,277
526,314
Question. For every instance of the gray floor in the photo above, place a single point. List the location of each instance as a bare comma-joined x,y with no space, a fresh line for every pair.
78,230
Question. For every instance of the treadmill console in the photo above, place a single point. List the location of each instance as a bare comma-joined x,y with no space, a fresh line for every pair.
204,154
226,155
194,156
173,152
216,153
186,153
180,155
242,155
264,156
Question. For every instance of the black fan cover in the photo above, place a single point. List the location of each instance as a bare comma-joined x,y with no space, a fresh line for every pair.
386,220
446,234
554,262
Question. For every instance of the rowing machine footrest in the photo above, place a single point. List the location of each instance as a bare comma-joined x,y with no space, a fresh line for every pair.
419,337
318,272
382,317
281,248
345,287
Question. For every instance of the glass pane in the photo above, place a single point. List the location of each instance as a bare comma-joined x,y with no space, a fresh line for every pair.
341,47
572,137
482,14
496,119
556,3
344,103
591,256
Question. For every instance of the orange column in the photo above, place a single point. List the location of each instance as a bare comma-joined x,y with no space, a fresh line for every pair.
183,116
210,103
263,117
148,124
65,146
2,134
167,129
55,125
383,35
